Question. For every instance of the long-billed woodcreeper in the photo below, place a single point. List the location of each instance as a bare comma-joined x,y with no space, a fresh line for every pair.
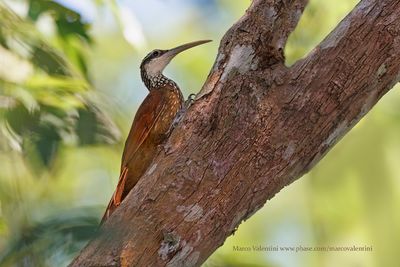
152,123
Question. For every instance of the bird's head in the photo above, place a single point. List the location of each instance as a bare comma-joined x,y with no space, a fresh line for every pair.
155,62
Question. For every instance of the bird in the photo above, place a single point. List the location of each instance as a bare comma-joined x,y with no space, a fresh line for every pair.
152,123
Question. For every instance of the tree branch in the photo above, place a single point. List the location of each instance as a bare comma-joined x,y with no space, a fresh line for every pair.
256,127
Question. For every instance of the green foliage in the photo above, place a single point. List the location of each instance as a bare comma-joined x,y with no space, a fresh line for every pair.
44,99
70,28
64,234
47,103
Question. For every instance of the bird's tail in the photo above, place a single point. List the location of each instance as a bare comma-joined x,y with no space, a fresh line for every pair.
110,209
117,197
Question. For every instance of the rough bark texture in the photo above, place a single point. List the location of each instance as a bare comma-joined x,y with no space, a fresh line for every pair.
255,127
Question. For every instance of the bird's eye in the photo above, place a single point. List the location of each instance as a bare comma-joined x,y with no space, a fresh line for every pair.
156,53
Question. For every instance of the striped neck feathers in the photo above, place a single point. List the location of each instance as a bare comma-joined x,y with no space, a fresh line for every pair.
157,81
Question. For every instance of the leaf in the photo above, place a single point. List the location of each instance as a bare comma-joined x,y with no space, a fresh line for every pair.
48,61
50,105
68,22
21,120
66,232
57,83
93,126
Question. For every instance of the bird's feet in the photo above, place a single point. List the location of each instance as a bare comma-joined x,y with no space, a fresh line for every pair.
189,101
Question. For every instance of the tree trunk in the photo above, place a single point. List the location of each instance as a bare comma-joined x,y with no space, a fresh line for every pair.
254,128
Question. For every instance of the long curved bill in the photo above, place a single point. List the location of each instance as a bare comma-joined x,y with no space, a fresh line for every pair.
175,51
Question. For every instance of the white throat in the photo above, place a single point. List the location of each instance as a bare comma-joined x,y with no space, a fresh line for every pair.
156,66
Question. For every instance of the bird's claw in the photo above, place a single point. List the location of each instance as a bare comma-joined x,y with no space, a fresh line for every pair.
191,97
190,100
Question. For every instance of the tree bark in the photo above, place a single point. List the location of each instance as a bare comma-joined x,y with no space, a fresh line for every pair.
254,128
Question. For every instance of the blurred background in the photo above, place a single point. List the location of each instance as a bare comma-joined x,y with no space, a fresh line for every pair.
69,88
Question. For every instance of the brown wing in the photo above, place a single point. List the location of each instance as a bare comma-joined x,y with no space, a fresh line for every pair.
145,118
